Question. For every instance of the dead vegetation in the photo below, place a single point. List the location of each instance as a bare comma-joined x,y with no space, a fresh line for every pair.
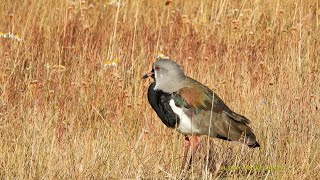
73,105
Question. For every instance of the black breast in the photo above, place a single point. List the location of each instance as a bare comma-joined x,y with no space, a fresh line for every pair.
159,101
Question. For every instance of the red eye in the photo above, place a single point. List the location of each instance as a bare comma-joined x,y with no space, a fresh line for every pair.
157,68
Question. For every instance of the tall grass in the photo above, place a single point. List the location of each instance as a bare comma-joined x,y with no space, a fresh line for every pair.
65,113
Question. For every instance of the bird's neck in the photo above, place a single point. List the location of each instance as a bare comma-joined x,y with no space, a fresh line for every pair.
169,86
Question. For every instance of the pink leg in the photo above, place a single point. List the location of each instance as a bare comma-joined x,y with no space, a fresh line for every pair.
194,149
186,149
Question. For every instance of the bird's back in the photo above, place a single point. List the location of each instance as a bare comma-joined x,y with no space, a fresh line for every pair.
212,116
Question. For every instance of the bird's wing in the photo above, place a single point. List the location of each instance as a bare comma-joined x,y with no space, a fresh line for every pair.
211,115
159,101
198,97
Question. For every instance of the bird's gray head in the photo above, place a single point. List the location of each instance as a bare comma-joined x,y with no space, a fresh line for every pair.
168,75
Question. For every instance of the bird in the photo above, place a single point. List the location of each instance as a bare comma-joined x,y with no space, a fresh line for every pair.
184,104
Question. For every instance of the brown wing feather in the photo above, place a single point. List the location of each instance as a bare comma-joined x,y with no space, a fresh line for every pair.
193,97
198,96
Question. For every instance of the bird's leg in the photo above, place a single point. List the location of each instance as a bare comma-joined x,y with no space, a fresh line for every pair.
195,146
186,149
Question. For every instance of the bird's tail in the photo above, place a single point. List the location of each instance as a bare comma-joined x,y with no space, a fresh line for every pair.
232,130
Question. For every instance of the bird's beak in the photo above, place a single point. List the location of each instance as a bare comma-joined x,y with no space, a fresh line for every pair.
149,74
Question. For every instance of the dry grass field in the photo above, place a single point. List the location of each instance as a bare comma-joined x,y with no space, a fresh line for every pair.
73,105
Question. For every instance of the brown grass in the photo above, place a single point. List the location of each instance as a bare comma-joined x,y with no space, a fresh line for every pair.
64,115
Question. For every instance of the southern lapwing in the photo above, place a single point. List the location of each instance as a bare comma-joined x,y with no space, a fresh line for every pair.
193,109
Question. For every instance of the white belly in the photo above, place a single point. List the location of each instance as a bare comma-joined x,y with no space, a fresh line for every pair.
185,126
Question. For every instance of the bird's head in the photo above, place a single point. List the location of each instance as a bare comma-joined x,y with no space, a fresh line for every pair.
167,74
